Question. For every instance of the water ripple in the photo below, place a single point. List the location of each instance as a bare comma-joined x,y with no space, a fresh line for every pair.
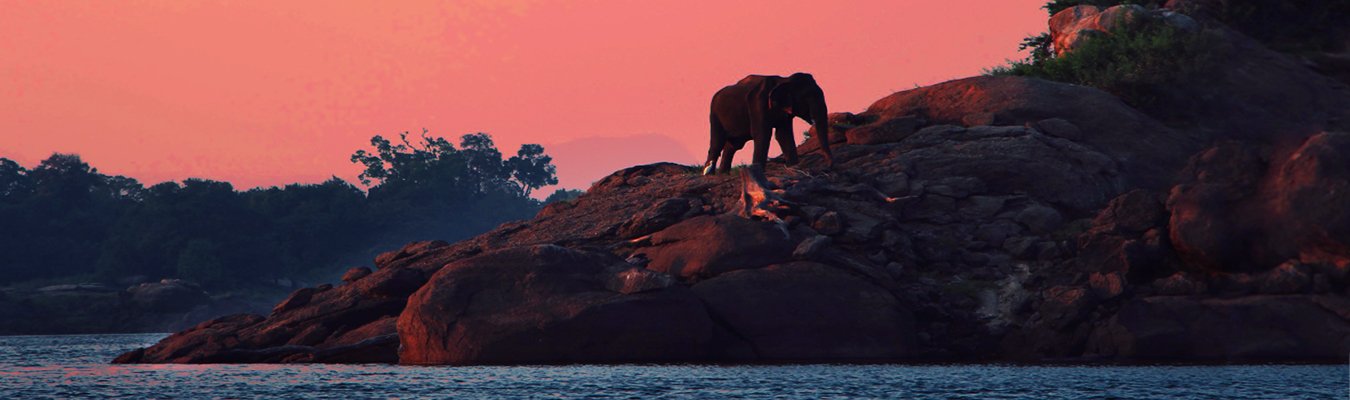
76,366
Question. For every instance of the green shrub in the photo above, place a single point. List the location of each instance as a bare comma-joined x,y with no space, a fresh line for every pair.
1135,64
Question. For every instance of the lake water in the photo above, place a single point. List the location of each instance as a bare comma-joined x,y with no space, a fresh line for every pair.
77,366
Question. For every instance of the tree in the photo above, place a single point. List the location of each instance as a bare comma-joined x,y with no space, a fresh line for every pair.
432,163
532,169
65,177
68,221
15,183
199,261
404,162
64,209
484,162
425,188
123,188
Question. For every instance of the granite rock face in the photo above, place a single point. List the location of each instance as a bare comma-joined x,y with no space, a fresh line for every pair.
546,304
1146,152
807,311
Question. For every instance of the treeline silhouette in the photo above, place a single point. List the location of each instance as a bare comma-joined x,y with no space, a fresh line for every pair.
63,220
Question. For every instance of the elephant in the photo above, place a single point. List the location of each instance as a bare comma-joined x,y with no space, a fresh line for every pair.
757,104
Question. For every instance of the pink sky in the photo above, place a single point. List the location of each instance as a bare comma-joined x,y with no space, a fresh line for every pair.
267,93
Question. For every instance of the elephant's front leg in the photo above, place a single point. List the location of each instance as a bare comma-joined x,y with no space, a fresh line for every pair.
761,154
786,143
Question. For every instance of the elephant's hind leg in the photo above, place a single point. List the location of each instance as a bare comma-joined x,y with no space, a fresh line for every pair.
728,153
717,141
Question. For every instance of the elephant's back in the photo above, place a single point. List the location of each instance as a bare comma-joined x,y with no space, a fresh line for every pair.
755,80
732,93
742,90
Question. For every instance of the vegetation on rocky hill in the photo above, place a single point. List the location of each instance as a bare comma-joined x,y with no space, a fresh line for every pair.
1140,61
1133,63
1136,55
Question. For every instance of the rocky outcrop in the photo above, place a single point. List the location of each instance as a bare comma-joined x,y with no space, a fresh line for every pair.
348,323
990,218
546,304
903,252
1146,152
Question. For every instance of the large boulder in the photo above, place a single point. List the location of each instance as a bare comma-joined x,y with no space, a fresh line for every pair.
1214,216
1076,25
548,304
1244,329
1148,153
809,311
706,246
1310,192
1245,208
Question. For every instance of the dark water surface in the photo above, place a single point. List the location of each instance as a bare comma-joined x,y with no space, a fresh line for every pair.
77,366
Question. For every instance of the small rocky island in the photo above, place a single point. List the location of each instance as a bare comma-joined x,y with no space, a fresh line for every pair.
994,218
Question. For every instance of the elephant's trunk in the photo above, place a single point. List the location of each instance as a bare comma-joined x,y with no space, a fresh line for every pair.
820,118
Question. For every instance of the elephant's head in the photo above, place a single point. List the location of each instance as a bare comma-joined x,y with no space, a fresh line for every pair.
799,96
